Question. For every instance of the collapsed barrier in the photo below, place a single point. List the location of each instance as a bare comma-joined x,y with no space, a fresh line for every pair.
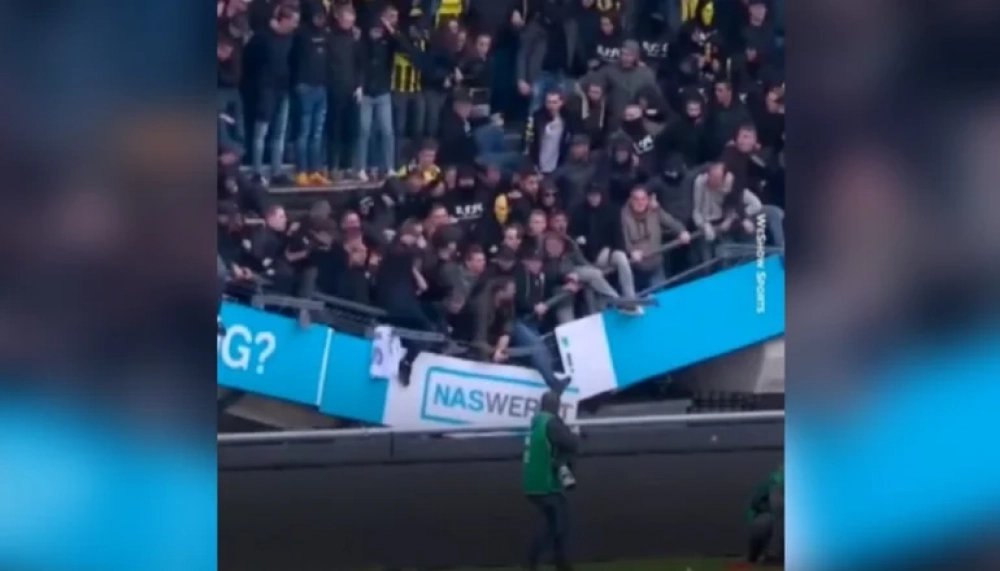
324,362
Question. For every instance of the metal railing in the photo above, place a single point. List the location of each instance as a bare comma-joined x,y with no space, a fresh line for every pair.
361,319
331,434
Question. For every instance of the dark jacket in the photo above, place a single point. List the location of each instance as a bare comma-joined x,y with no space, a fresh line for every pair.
309,61
596,228
573,178
534,44
535,128
344,58
490,322
687,137
376,65
457,146
532,289
273,52
230,71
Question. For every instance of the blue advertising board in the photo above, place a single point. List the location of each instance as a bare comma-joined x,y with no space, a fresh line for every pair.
691,323
274,356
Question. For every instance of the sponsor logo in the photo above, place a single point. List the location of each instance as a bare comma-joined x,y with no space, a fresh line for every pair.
458,397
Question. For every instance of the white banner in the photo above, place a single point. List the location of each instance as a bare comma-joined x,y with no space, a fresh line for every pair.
586,357
446,391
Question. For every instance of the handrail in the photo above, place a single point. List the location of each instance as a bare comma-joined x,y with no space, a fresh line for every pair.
328,434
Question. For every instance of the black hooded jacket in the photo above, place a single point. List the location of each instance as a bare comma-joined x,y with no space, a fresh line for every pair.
595,228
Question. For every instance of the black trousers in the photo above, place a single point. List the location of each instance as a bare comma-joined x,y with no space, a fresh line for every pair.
554,533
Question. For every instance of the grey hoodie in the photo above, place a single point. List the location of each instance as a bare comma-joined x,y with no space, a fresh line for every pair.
644,232
708,203
623,86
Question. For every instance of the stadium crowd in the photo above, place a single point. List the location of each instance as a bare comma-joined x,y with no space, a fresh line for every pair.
521,162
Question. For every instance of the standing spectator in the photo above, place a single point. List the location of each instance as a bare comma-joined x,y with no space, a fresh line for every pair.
376,104
343,91
687,135
548,47
547,134
637,131
230,103
620,172
408,103
577,174
476,75
590,109
309,57
644,227
726,115
273,48
595,227
538,223
607,47
458,145
516,205
625,81
443,52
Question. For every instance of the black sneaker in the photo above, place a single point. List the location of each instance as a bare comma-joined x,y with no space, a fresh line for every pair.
282,180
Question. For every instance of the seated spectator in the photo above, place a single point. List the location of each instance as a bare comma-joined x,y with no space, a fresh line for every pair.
644,227
569,272
425,163
595,227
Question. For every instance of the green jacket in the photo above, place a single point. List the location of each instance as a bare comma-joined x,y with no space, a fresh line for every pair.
760,503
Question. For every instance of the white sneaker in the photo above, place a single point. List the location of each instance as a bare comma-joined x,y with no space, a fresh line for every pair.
634,310
362,176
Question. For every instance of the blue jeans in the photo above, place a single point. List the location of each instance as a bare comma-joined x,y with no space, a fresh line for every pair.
230,102
775,218
277,127
544,83
312,119
491,144
539,357
377,110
